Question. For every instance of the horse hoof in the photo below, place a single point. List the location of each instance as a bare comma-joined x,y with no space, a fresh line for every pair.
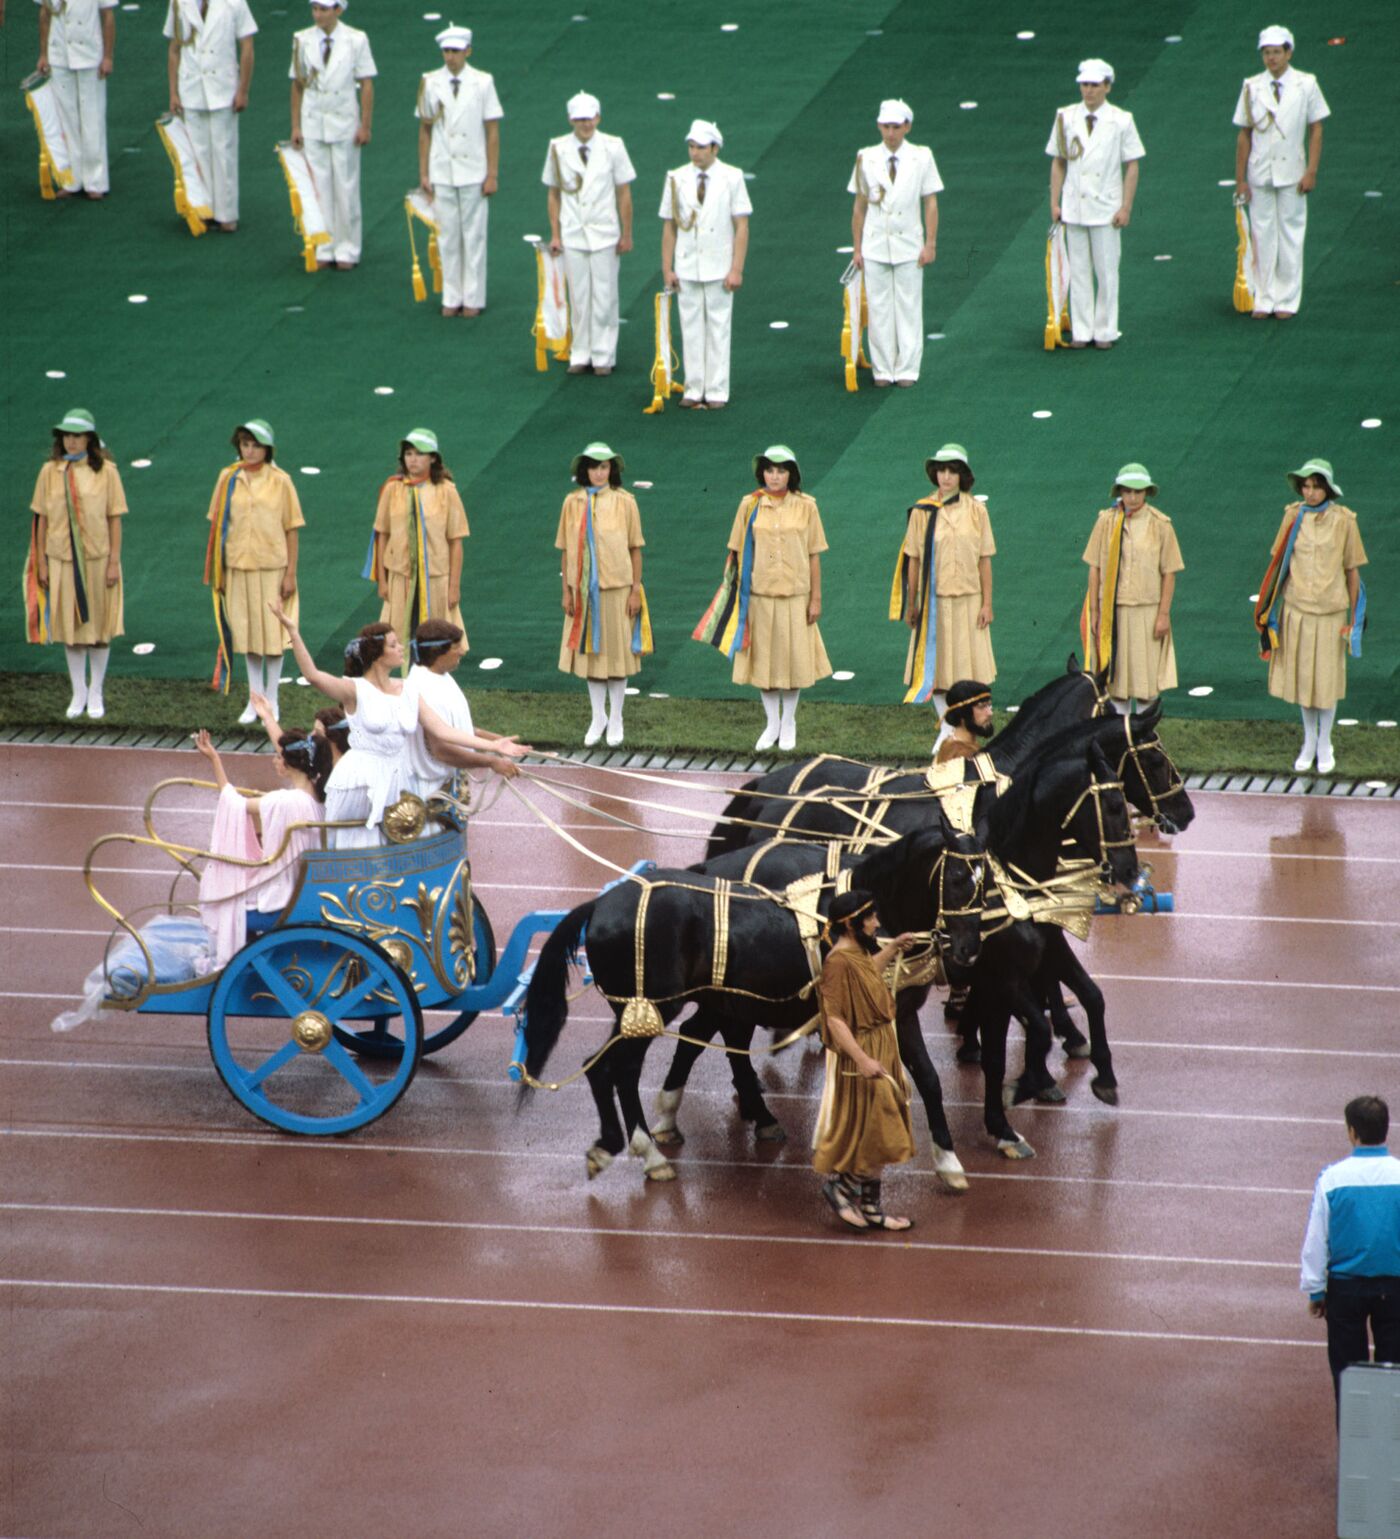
1108,1094
948,1168
969,1055
665,1171
598,1160
1015,1149
1079,1050
1051,1096
770,1133
671,1136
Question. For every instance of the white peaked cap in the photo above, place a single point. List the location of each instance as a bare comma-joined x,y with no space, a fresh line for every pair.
338,5
1094,71
892,110
584,105
701,132
454,37
1276,37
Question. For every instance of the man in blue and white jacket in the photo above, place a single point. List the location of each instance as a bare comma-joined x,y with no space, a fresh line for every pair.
1351,1252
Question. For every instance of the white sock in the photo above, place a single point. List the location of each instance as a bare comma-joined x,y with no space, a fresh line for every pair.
1123,707
598,699
77,670
617,692
940,704
772,702
97,666
1310,726
1324,731
272,672
789,706
255,673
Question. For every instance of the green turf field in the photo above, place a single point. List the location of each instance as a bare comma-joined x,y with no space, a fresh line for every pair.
1218,406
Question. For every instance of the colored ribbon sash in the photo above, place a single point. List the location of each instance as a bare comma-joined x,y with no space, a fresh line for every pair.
1268,612
418,547
586,632
725,623
925,666
214,575
1098,645
75,536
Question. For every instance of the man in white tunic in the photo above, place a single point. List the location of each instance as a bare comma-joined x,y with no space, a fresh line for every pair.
210,64
704,240
1279,109
589,176
77,39
894,229
332,78
1093,181
459,153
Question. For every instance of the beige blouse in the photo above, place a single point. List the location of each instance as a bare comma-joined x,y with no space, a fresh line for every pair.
444,520
787,534
265,508
961,537
1327,548
617,532
100,497
1149,551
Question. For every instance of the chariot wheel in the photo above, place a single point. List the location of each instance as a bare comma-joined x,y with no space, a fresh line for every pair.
381,1039
275,1029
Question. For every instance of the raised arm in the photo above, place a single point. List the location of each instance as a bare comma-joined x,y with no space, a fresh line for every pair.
341,690
440,735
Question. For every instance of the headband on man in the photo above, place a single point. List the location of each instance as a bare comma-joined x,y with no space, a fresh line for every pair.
845,919
418,647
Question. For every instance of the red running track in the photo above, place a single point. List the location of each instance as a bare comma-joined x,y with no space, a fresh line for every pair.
439,1327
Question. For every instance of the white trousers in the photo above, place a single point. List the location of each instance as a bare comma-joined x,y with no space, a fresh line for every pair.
1278,221
461,219
1094,254
593,305
336,167
81,95
215,139
706,311
894,295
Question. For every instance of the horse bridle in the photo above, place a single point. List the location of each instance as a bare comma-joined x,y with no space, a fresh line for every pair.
1095,790
1134,752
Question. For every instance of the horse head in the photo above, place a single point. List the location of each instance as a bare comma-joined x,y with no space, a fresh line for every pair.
1100,823
1151,782
959,881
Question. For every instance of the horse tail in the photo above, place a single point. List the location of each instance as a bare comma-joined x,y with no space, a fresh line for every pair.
726,836
546,1004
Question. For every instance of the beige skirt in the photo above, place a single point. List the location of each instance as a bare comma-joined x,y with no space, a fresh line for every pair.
246,597
616,660
104,605
1142,666
864,1124
784,652
1310,666
395,609
964,652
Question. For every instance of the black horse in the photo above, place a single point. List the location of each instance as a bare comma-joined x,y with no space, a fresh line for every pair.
742,962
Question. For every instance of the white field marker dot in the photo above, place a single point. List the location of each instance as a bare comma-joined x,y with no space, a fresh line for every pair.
579,17
136,299
936,336
665,96
295,309
646,484
875,32
631,690
656,694
383,390
1366,422
729,26
432,15
622,320
843,675
980,496
1227,181
1385,723
777,325
750,176
1174,38
1372,194
1024,37
489,664
311,470
532,240
1012,709
1166,257
144,648
1201,691
131,149
845,250
303,683
285,683
1041,415
1377,785
55,374
968,106
1347,721
140,464
1253,598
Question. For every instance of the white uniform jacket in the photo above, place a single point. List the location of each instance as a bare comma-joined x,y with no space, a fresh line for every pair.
588,219
705,231
894,217
208,75
75,32
330,106
457,156
1278,151
1093,190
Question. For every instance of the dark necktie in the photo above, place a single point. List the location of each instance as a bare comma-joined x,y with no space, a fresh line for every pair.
456,86
325,50
894,166
700,188
583,153
1278,91
1090,122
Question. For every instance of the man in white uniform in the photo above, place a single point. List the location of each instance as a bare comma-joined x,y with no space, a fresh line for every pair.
894,229
211,67
590,220
704,240
459,153
1093,181
1278,109
329,62
77,39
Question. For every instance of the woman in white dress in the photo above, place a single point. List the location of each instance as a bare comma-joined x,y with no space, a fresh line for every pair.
383,717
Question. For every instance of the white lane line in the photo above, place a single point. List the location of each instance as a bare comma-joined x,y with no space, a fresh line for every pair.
267,1141
1150,850
169,873
663,1311
1248,983
1365,924
592,1231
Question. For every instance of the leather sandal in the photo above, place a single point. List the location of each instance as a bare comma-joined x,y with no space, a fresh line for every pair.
875,1215
843,1193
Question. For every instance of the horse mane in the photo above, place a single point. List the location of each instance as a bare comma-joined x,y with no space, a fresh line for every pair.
1032,708
1010,814
880,865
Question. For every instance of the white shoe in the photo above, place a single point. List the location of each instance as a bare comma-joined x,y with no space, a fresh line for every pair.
770,736
595,731
614,735
1326,760
249,715
76,705
1304,761
787,738
95,708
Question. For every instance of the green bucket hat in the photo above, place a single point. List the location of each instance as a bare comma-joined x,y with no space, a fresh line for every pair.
949,454
422,439
1321,468
599,453
77,419
776,454
259,430
1136,478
